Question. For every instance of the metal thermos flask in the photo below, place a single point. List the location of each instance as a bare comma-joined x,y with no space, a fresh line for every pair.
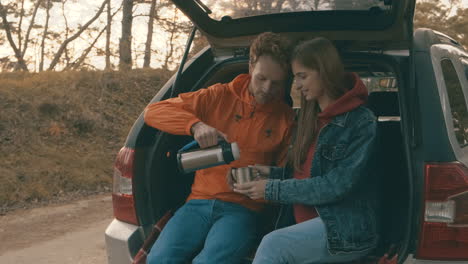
190,160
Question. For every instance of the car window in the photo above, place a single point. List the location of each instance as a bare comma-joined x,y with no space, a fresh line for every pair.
457,102
246,8
465,66
374,82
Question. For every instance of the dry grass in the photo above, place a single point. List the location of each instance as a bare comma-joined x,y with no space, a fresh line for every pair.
59,132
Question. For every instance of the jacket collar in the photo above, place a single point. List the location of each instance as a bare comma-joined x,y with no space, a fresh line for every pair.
340,120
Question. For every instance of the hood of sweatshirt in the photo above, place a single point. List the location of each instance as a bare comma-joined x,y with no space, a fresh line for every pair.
353,98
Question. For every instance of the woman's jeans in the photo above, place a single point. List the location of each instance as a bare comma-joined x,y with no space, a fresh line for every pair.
305,242
207,231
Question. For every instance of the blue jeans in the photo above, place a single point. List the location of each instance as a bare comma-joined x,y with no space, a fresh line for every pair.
305,242
207,231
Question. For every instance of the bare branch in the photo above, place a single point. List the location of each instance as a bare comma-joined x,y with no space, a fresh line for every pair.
77,63
76,35
67,32
31,24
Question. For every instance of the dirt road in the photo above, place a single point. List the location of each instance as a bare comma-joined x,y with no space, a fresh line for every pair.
70,233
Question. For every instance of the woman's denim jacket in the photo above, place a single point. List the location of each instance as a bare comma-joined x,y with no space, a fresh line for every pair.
343,187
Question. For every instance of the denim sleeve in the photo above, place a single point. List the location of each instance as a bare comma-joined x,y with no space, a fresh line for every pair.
278,173
338,182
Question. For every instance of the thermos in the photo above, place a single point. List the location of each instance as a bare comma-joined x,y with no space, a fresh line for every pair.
190,160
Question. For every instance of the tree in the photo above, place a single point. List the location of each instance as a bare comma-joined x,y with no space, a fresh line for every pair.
44,36
176,28
149,36
67,33
16,50
80,60
125,45
108,35
31,24
62,47
439,16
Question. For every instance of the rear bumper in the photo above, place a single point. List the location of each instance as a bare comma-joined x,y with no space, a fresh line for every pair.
412,260
123,241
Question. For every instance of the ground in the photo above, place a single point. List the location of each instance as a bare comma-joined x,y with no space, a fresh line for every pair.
71,232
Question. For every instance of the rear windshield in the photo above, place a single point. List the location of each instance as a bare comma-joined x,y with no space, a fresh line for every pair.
376,82
246,8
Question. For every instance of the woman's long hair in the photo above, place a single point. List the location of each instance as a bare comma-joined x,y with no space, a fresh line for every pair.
321,55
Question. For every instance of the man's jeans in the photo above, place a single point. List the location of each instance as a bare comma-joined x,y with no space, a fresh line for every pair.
305,242
207,231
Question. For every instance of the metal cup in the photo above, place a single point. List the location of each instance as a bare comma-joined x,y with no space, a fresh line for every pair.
242,175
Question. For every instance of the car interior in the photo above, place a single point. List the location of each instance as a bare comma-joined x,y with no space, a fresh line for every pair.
171,187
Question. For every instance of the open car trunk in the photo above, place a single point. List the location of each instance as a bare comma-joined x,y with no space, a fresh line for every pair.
168,187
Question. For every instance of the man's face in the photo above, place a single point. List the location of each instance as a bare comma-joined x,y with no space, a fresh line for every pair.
269,80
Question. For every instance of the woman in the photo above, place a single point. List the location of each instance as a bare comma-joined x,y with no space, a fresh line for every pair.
333,190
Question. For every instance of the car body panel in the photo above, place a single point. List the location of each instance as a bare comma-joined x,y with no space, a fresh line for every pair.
412,260
122,242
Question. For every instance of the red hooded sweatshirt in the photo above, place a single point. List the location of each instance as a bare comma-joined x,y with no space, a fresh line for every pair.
352,99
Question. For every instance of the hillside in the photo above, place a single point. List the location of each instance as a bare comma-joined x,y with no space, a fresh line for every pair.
60,131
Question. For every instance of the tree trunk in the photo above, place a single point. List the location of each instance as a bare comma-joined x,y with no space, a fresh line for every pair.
108,35
67,31
44,36
171,43
125,45
149,36
20,24
74,36
6,25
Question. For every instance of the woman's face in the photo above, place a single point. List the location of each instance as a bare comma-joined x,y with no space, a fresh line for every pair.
307,81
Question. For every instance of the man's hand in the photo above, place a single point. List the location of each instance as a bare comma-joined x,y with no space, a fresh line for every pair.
205,135
254,190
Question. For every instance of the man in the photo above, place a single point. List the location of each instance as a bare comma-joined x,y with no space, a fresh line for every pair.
217,225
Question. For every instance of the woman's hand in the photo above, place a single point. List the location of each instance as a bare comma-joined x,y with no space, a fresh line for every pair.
261,171
229,180
254,189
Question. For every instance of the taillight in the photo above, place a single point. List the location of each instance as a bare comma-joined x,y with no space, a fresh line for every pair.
122,196
445,228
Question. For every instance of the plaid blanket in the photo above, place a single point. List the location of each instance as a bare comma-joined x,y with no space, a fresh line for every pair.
140,257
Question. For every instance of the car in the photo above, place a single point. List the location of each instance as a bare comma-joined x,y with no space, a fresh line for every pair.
418,83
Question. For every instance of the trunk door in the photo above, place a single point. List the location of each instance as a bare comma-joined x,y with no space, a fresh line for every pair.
351,24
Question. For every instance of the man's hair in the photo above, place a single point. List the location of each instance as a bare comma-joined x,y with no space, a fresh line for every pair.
274,45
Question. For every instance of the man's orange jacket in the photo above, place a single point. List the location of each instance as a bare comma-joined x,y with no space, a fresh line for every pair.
261,131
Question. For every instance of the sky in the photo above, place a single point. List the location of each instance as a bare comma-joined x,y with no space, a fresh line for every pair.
80,11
